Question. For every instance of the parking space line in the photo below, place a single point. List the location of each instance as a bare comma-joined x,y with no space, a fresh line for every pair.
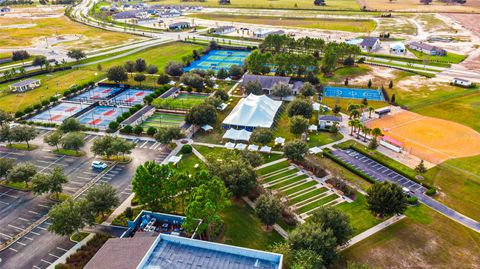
15,227
62,249
13,249
20,243
123,192
36,267
41,228
86,178
43,206
28,238
45,261
35,233
54,255
6,235
4,203
89,173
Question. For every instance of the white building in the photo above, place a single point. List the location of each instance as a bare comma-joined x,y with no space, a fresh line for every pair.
327,121
262,33
25,85
461,82
370,44
398,48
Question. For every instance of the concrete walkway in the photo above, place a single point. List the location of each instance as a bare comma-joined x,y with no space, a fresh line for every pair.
372,231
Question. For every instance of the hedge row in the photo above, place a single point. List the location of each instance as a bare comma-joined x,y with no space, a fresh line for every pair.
113,126
328,154
375,158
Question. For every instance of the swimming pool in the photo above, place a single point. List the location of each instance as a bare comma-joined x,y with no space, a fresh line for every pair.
216,59
353,93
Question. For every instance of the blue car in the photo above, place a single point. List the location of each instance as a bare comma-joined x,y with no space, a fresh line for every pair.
99,165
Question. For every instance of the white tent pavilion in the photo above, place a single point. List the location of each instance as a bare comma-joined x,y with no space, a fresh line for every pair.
279,140
252,112
228,79
240,146
175,159
230,145
222,106
237,135
171,83
253,147
316,106
207,127
315,150
313,128
265,149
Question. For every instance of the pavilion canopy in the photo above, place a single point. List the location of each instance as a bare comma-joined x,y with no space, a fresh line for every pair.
237,135
253,111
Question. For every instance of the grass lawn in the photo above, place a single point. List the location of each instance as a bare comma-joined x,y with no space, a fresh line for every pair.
188,162
61,197
361,218
286,182
306,196
21,146
78,236
178,103
90,37
317,203
284,4
69,152
244,229
348,25
425,239
458,181
280,175
272,168
60,81
211,153
298,188
343,72
322,138
16,185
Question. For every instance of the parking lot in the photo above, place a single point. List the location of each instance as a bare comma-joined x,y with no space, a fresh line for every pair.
376,170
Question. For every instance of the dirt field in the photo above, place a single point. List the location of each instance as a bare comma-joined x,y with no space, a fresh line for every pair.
414,5
431,139
469,21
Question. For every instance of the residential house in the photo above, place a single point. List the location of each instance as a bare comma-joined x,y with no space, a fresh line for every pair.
398,48
178,26
427,49
327,121
370,44
223,30
262,33
267,82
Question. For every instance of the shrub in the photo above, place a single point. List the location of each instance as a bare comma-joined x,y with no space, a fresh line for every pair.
430,192
138,130
19,114
45,102
53,99
151,131
341,185
413,200
186,149
113,126
128,212
28,110
127,129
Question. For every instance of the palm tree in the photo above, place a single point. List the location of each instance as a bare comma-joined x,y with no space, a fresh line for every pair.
367,131
376,132
359,126
351,107
354,113
370,110
351,124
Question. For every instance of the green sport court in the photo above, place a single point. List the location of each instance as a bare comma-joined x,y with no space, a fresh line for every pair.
159,120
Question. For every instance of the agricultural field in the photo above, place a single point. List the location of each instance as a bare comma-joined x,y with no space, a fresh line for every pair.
425,239
37,29
158,56
348,25
264,4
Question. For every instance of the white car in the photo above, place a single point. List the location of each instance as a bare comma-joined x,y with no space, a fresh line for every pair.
99,165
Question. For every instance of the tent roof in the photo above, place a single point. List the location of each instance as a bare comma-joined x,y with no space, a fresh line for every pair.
254,111
207,127
240,146
233,134
230,145
265,149
252,147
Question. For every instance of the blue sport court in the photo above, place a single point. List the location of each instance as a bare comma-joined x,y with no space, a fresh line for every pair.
353,93
97,93
101,116
58,113
216,59
131,97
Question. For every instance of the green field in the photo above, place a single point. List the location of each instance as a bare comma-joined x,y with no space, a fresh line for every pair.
244,229
183,101
425,239
272,168
348,25
159,120
61,81
449,58
284,4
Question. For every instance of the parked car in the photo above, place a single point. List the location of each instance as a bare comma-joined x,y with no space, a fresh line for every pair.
99,165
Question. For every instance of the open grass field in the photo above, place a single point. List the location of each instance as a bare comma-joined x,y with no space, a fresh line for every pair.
458,181
214,153
348,25
431,22
188,162
343,72
414,5
449,58
396,25
283,4
431,139
90,37
361,218
244,229
158,56
425,239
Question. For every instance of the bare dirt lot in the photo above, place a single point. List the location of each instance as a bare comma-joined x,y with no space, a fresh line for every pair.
431,139
414,5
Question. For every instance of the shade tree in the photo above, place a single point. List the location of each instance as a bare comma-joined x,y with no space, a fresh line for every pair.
23,133
385,199
267,209
295,150
22,172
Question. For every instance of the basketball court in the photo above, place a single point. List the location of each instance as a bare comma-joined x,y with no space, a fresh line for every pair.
353,93
434,140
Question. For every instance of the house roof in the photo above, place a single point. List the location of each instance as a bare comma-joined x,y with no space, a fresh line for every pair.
397,45
24,82
225,27
330,118
180,23
369,41
254,111
267,82
461,79
121,253
125,14
425,46
137,115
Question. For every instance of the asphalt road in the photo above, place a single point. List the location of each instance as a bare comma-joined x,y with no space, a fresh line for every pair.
382,173
40,248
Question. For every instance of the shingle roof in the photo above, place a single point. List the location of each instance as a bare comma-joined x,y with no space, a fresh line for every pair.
330,118
125,14
369,41
425,46
267,82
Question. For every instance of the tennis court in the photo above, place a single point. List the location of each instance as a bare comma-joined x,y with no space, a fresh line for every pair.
101,116
97,93
216,59
58,113
131,97
353,93
182,101
159,120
